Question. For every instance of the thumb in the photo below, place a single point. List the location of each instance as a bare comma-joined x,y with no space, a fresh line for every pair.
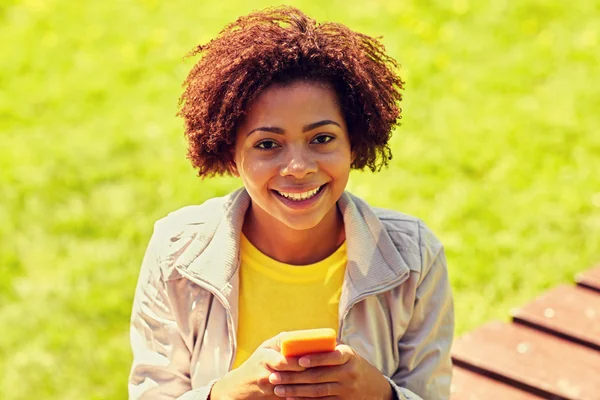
274,342
273,358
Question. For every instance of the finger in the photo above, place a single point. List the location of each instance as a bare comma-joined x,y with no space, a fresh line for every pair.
309,391
275,361
311,375
341,355
274,342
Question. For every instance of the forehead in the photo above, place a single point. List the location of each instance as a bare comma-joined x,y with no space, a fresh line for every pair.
301,102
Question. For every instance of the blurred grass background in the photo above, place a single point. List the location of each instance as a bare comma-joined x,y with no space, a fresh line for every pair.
498,152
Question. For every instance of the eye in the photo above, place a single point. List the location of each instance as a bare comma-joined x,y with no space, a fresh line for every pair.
266,145
322,139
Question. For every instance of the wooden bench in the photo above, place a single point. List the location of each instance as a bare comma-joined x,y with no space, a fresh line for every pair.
551,350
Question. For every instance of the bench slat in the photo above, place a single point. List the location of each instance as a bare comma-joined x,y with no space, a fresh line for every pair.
468,385
589,279
567,311
532,360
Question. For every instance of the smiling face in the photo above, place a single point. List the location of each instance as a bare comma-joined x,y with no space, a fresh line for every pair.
293,155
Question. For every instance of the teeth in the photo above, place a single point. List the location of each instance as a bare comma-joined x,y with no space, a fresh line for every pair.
299,196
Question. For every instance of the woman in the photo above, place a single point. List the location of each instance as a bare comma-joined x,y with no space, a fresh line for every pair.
290,106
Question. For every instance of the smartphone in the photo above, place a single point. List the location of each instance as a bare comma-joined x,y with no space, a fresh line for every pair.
308,341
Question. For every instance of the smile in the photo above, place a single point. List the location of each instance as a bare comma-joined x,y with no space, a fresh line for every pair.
301,196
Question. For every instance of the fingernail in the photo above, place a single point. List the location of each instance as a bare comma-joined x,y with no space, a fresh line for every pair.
279,390
274,377
304,362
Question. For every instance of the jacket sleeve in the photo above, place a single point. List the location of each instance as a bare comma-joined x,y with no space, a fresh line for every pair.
425,370
161,358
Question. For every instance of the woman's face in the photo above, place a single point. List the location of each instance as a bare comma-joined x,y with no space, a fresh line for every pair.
293,154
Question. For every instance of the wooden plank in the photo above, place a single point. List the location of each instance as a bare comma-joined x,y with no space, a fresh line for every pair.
567,311
531,360
468,385
589,279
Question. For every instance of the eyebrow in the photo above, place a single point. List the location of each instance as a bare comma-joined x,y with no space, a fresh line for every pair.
305,128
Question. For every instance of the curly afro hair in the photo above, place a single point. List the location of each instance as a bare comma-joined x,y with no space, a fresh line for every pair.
281,45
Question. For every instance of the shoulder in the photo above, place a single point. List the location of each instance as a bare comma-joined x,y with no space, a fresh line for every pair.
197,214
177,231
416,228
411,236
196,217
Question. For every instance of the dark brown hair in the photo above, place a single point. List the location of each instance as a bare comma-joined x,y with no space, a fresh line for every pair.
281,45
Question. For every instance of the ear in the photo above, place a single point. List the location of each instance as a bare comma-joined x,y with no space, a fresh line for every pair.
233,169
353,157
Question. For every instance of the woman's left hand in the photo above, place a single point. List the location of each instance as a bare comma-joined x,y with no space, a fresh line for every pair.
340,374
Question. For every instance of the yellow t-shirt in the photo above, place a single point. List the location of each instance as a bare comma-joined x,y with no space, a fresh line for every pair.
276,297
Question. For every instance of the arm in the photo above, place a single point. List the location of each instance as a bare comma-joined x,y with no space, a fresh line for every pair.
161,358
425,370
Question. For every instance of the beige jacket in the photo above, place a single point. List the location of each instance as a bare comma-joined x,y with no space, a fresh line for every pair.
395,309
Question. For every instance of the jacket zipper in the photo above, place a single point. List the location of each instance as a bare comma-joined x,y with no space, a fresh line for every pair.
396,282
214,291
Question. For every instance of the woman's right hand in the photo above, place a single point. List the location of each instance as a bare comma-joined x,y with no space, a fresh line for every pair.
251,379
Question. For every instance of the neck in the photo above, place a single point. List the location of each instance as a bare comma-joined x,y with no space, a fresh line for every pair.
291,246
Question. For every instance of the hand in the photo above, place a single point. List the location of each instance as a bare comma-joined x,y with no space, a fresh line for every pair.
340,374
251,379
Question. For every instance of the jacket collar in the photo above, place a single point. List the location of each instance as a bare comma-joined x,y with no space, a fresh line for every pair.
373,259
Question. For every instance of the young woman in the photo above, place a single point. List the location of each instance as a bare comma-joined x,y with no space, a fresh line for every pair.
290,107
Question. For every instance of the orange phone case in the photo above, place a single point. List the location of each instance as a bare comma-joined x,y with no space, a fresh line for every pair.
299,343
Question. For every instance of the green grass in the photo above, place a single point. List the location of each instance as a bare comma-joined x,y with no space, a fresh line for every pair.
499,152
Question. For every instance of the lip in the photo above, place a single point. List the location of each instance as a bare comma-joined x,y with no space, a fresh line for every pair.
303,204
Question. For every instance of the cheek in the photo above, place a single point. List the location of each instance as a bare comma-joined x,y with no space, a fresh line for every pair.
338,163
256,172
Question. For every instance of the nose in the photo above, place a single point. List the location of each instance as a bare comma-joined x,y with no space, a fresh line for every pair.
298,162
